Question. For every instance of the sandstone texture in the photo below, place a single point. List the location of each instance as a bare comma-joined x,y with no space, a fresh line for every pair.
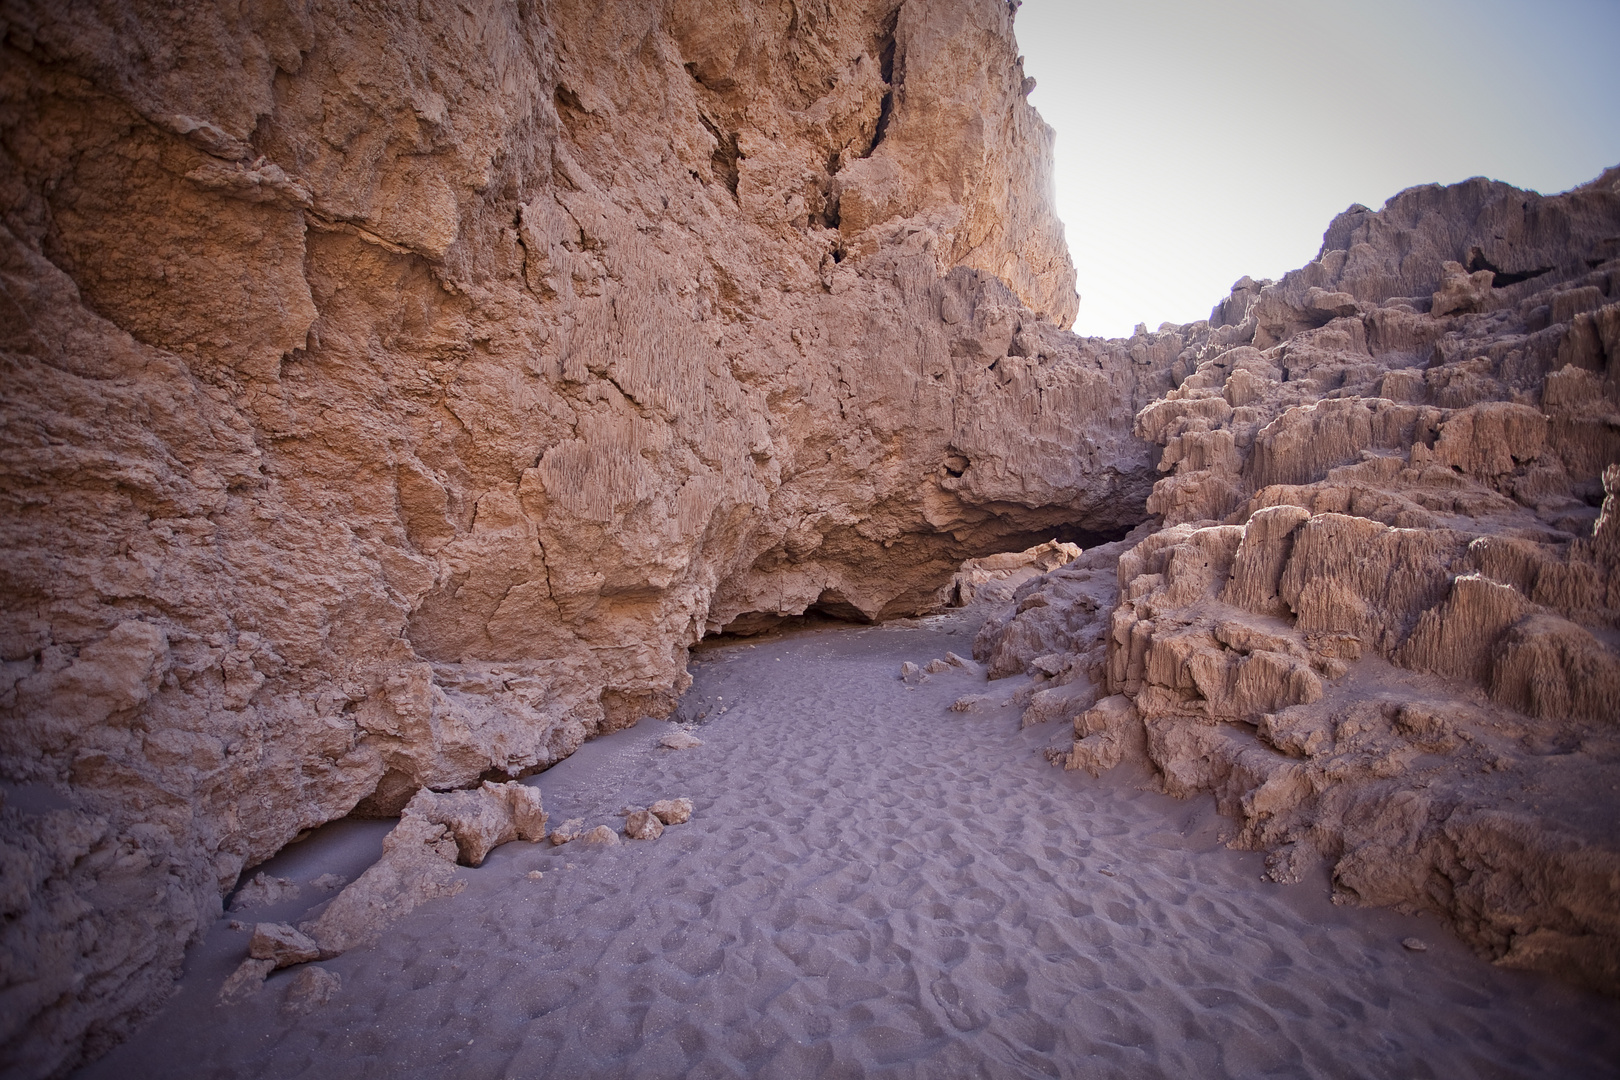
1379,621
311,988
997,577
672,811
643,825
283,944
391,398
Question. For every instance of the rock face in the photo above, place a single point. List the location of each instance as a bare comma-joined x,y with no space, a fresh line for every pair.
1380,621
390,401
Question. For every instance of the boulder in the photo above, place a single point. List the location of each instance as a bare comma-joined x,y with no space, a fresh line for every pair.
418,864
484,817
643,825
246,980
601,836
672,811
264,890
282,944
572,829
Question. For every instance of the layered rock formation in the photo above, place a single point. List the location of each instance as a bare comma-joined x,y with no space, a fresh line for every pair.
390,400
1380,623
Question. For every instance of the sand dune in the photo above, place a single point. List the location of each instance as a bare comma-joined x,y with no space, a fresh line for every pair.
871,885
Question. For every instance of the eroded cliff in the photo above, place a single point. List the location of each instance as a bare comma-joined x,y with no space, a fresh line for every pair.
391,398
1380,621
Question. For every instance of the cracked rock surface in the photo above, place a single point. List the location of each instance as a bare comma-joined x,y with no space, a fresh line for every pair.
1380,621
390,401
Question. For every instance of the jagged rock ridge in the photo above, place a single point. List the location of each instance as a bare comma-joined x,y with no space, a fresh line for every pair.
1379,623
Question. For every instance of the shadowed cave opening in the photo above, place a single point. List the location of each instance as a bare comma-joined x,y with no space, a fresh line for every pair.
1503,278
832,608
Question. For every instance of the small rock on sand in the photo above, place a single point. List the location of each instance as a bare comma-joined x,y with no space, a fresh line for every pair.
973,703
328,882
536,875
282,945
910,673
935,667
572,829
309,989
1415,944
601,836
679,740
672,811
643,825
246,979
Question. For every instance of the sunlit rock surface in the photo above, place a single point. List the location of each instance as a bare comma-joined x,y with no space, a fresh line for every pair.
1380,621
391,400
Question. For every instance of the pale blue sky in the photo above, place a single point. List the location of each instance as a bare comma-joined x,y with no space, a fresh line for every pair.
1198,141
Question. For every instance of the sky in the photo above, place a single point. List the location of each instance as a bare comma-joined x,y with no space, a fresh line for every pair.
1202,140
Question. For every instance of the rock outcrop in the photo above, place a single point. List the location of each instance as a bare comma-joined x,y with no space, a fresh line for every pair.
1379,623
391,400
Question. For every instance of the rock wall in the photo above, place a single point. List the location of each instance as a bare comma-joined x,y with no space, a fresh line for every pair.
1380,621
390,399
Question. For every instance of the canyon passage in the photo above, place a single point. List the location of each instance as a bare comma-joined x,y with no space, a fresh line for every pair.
394,402
871,884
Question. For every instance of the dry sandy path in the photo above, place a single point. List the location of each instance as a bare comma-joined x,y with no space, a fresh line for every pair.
872,885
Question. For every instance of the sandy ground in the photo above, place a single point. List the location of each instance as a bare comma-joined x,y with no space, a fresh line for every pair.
872,885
